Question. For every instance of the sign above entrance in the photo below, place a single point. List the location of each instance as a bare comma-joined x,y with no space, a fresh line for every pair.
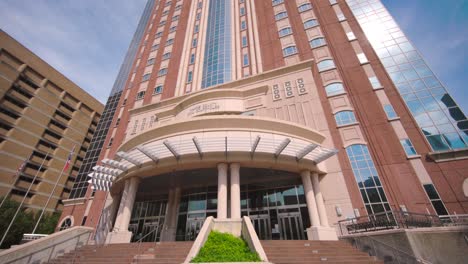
211,107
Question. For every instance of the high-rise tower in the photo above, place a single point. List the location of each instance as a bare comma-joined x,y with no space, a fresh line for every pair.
303,112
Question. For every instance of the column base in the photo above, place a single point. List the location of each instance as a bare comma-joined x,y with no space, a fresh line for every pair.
119,237
321,233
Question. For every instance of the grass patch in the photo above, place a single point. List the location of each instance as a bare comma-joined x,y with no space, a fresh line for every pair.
223,247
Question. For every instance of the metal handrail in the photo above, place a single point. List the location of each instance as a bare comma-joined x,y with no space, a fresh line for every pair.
139,241
417,259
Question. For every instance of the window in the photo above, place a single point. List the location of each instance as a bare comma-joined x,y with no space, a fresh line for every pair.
375,82
192,58
435,199
310,23
175,18
289,51
345,118
362,58
189,77
146,77
244,41
169,42
408,147
158,35
140,95
243,25
111,141
196,29
200,4
245,60
350,35
326,65
165,12
341,17
150,62
390,111
162,72
332,2
172,29
194,43
285,31
367,179
198,16
168,3
281,15
67,223
166,56
277,2
154,47
318,42
162,23
117,122
178,7
158,89
304,7
334,89
242,11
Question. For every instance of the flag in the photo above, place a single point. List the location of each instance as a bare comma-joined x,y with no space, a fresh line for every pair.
67,163
21,167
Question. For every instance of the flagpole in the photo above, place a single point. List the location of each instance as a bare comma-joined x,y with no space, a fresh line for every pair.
24,198
53,190
18,173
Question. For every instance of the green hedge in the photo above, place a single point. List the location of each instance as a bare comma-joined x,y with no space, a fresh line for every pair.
223,247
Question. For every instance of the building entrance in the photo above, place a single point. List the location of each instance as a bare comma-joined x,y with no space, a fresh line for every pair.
291,227
147,220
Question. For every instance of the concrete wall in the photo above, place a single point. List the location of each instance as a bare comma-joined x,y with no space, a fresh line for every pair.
434,245
50,247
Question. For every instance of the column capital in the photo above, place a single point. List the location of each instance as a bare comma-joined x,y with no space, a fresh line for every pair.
234,166
305,173
222,166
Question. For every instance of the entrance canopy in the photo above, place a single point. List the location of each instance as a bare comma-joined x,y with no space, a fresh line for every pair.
254,141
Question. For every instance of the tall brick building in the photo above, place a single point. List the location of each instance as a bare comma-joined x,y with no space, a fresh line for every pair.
296,113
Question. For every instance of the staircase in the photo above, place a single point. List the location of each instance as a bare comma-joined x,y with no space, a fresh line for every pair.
306,251
164,252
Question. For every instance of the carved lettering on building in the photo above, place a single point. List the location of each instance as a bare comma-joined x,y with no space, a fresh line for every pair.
276,92
288,90
203,108
301,89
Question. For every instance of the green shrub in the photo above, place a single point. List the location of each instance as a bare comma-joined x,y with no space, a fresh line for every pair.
223,247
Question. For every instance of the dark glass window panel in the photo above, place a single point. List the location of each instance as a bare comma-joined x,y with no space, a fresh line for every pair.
439,207
197,202
382,194
373,195
290,196
378,208
431,192
447,101
456,114
183,204
301,196
462,125
369,209
454,140
437,143
364,196
212,201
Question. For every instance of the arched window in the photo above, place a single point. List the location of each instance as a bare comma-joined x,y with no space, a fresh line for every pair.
276,2
334,89
285,31
345,118
310,23
304,7
289,51
67,223
325,65
317,42
367,179
281,15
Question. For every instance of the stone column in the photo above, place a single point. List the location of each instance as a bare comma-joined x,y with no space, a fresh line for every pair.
123,197
175,207
319,199
127,210
222,191
310,198
235,191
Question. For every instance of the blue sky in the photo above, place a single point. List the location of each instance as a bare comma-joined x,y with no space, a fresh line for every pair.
86,40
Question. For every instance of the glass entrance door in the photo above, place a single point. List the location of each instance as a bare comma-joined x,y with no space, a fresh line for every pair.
262,224
147,220
194,224
291,227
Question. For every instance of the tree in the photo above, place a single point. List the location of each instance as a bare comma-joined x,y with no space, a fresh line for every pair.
24,222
